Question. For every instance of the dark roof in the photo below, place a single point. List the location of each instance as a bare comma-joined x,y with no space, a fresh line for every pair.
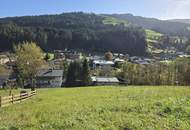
50,73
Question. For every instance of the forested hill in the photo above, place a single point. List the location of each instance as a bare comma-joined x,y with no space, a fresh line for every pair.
81,31
120,33
175,28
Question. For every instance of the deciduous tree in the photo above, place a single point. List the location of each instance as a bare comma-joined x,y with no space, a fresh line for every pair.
29,59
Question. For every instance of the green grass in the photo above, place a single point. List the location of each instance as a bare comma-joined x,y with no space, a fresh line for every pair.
5,92
101,108
51,55
152,38
152,34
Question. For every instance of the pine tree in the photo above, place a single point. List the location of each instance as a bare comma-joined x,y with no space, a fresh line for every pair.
73,74
86,80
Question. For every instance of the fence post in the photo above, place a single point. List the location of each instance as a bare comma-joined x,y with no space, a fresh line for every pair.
12,98
27,94
20,97
1,101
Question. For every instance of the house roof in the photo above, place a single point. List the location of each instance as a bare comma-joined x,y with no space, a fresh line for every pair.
105,79
119,60
50,73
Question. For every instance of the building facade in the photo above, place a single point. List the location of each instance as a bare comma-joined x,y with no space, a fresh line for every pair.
49,78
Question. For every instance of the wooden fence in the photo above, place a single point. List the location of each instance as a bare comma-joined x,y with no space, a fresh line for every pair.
13,99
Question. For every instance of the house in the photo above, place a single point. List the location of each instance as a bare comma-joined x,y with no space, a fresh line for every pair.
121,56
3,80
118,60
59,54
7,80
104,80
3,59
102,64
66,54
95,57
73,56
184,56
141,61
56,63
49,78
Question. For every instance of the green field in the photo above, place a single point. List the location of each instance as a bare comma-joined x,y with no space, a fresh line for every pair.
101,108
5,92
152,34
114,21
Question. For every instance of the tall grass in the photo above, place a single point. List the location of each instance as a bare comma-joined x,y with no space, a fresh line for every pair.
101,108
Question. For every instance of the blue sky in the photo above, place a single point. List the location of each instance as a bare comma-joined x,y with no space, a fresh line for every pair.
163,9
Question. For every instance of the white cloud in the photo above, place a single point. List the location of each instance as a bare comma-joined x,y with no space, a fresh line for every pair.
177,9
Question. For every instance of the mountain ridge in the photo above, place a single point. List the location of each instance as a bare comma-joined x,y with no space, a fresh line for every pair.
78,30
186,21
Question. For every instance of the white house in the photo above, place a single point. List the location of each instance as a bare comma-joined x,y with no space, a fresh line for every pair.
3,59
104,80
102,64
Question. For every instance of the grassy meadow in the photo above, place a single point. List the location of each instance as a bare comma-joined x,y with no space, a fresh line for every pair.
114,21
5,92
101,108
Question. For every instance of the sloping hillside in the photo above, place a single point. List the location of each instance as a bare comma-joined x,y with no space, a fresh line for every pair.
165,27
101,108
160,35
186,21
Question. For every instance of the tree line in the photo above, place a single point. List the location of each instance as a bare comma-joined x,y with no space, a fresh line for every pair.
173,73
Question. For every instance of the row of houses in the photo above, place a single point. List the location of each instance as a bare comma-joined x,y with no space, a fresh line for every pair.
52,78
67,54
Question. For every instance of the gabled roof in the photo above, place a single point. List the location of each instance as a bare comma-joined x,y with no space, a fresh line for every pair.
50,73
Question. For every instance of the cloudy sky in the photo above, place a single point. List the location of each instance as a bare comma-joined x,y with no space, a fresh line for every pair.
162,9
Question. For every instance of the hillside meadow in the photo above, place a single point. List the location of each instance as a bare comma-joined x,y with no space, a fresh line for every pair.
101,108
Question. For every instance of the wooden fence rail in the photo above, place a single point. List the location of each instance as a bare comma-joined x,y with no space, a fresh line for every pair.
8,100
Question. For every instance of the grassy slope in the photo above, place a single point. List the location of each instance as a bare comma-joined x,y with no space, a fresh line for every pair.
152,39
102,108
152,34
114,21
6,92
